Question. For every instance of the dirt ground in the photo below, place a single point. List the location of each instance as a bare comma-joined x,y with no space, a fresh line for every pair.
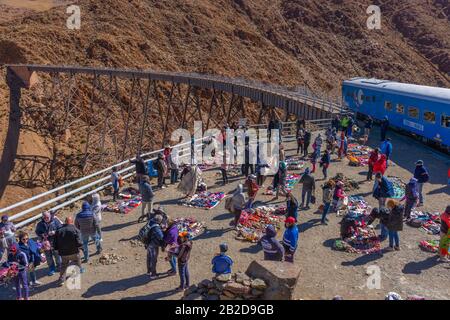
324,272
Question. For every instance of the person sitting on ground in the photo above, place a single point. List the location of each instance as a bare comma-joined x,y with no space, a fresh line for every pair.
86,223
31,250
147,195
19,258
309,187
222,262
171,245
395,224
273,250
68,242
327,198
46,230
445,236
290,239
291,206
184,255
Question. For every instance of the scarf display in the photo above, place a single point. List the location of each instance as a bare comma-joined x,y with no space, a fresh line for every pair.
349,184
253,222
291,180
203,200
294,162
131,199
190,225
7,274
399,187
358,155
430,222
429,246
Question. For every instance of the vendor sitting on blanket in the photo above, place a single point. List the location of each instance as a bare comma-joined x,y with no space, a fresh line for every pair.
273,250
222,262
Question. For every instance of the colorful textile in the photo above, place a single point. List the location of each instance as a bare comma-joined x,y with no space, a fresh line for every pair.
399,187
131,199
429,246
291,180
444,244
349,184
358,154
204,200
294,163
190,225
253,222
429,222
7,274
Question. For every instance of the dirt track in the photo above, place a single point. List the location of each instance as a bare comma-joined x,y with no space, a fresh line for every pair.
325,272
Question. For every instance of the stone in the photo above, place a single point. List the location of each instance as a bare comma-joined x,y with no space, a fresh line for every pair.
224,297
258,284
229,294
192,289
218,285
224,277
280,278
213,292
202,290
237,288
204,283
212,297
257,293
194,296
242,277
247,283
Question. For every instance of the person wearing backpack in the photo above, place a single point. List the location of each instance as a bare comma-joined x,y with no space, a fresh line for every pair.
422,176
21,279
29,247
154,240
184,253
86,223
383,189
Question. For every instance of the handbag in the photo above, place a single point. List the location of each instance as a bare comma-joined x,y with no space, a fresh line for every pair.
313,199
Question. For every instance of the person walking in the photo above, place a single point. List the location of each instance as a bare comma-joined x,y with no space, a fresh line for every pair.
31,250
184,254
141,169
290,239
147,195
384,126
115,178
445,236
19,258
238,202
411,197
222,263
161,168
327,198
96,207
386,149
273,250
155,240
373,158
368,126
325,163
85,222
383,189
395,224
309,187
171,245
422,176
291,206
68,242
306,143
46,230
282,176
314,157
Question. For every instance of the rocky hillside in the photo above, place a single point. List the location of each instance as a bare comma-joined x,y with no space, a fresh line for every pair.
292,42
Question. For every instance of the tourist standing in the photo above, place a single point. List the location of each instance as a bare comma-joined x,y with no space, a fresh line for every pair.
172,160
68,242
46,230
386,149
422,176
327,198
307,141
383,189
147,195
411,197
309,187
300,140
380,166
368,126
161,168
171,245
21,279
291,206
31,250
373,158
290,239
252,189
141,169
155,240
395,224
115,177
282,176
384,126
325,163
5,243
272,248
85,222
184,254
96,207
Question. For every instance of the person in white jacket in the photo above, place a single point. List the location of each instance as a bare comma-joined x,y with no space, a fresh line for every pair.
96,207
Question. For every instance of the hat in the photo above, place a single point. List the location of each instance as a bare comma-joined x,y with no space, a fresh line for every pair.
223,247
419,163
290,220
5,217
13,248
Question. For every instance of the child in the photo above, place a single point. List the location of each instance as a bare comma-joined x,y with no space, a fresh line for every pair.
184,253
221,262
21,280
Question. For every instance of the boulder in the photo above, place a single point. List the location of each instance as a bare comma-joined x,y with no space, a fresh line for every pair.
229,294
190,290
205,283
257,293
258,284
237,288
242,277
224,297
213,297
194,296
218,284
224,277
213,292
280,278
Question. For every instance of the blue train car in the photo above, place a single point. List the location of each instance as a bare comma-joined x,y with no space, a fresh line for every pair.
420,110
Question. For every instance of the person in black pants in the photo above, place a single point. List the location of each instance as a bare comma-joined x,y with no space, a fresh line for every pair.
306,142
300,140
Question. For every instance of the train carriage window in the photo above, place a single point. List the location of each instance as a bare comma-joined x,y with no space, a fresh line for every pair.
445,121
368,99
429,116
374,98
388,105
413,112
400,108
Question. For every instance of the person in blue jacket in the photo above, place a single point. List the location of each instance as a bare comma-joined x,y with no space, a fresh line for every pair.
273,250
21,280
31,250
386,149
222,262
290,239
422,176
383,189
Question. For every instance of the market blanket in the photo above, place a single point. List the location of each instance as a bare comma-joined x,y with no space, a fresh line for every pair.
427,221
291,180
204,200
429,246
253,222
349,183
193,227
294,162
399,187
358,154
130,199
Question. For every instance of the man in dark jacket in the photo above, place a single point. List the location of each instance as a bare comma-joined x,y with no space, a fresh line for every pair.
411,197
422,176
68,243
368,126
46,230
86,223
273,250
383,190
306,142
161,168
147,197
336,123
384,126
309,187
141,169
155,241
383,215
395,224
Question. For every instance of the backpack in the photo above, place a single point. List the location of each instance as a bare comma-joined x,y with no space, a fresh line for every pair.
144,233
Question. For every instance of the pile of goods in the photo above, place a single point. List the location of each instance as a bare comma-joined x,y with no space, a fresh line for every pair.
349,184
131,200
399,187
291,180
358,155
429,246
237,286
191,226
204,200
110,258
253,222
294,163
357,236
430,222
7,274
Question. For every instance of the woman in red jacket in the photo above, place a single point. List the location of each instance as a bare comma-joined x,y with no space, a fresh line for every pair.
374,155
252,189
381,165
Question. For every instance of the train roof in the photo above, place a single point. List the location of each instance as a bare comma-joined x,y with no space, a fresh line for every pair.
413,90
